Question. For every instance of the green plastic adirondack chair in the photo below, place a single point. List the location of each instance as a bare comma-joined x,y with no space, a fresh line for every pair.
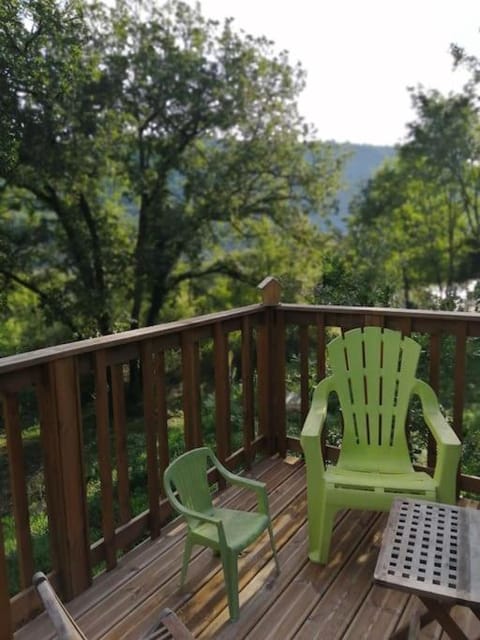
226,531
373,374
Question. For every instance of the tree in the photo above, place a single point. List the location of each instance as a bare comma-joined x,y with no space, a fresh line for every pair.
423,208
446,136
143,147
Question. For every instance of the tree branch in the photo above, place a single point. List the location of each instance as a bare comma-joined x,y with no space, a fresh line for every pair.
45,299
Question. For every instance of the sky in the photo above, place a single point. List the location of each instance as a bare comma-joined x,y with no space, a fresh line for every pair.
362,55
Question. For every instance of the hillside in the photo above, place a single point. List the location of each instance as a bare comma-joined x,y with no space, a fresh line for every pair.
362,163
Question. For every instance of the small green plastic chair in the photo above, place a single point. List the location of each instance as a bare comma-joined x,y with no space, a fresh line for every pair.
373,375
226,531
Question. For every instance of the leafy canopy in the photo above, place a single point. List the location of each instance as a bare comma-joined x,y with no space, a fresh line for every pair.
141,147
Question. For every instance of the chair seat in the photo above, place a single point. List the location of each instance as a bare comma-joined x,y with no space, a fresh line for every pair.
362,489
241,527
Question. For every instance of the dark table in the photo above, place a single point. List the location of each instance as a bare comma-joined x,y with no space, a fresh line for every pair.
433,551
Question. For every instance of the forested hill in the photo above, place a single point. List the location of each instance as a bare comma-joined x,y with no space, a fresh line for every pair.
363,161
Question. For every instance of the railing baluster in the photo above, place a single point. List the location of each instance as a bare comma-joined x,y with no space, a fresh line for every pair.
18,485
222,392
49,443
104,457
459,379
162,414
121,452
191,392
304,371
151,437
247,388
264,381
279,392
434,378
320,324
321,366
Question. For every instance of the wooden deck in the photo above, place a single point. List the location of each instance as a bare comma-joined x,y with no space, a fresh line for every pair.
305,601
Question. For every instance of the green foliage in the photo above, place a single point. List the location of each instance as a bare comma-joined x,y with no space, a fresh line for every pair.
346,282
420,212
143,147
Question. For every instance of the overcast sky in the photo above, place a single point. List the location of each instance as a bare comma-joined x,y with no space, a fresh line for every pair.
361,55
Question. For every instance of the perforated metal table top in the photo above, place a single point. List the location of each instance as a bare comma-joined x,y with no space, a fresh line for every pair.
431,549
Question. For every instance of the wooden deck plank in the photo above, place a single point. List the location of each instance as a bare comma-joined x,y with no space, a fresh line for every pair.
337,605
295,605
305,601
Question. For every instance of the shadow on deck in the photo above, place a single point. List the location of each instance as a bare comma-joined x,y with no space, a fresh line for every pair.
305,601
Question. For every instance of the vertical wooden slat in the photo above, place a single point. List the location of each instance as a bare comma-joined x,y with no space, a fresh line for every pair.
51,455
104,458
247,387
304,378
321,368
434,378
191,392
18,485
278,356
121,451
72,532
374,320
222,393
434,362
264,382
162,413
405,326
459,378
459,387
5,614
151,437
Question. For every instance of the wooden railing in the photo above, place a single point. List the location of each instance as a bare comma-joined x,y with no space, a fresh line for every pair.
175,366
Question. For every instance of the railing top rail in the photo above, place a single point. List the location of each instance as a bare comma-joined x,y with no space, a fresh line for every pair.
41,356
462,316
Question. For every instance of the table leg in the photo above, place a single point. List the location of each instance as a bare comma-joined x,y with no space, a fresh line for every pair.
476,611
405,632
443,617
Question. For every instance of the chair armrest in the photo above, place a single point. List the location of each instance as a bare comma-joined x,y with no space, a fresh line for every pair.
247,483
449,447
65,626
191,513
314,423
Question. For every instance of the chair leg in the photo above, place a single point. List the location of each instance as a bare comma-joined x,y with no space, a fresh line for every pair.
230,573
326,534
186,559
272,542
320,526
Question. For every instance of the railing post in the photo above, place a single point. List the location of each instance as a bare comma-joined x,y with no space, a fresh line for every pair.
62,439
271,369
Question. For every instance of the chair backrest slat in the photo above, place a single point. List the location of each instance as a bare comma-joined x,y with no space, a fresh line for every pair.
374,372
188,474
